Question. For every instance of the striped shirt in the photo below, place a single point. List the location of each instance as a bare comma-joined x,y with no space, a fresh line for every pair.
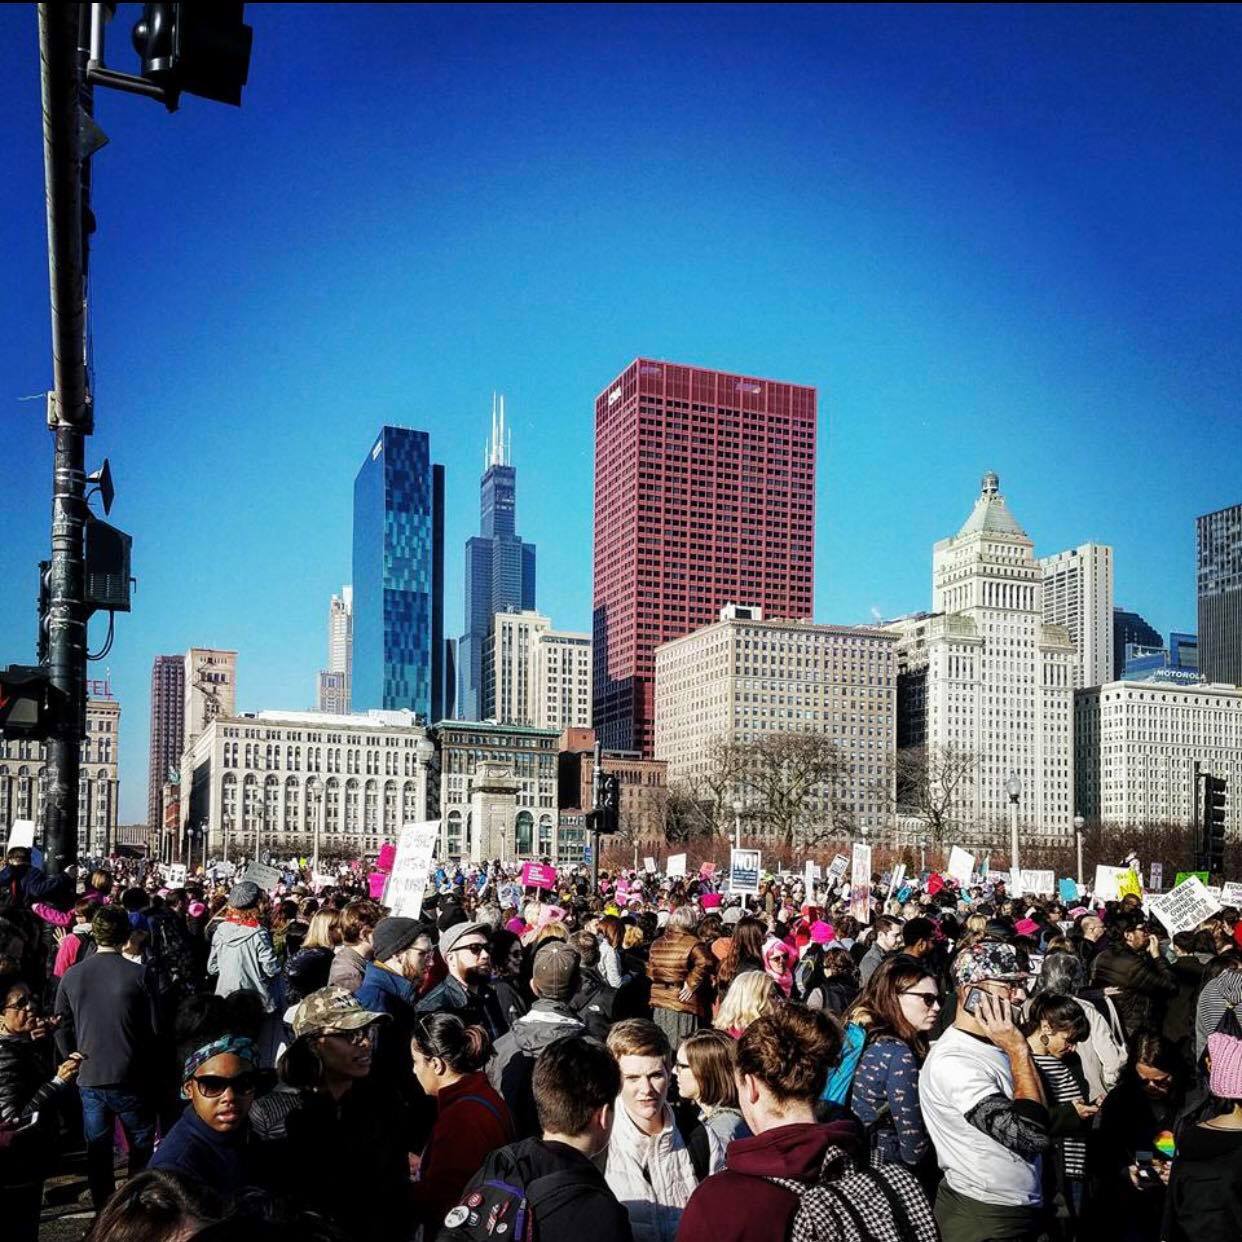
1064,1087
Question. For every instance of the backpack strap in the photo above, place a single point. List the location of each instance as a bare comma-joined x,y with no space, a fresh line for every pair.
901,1215
491,1108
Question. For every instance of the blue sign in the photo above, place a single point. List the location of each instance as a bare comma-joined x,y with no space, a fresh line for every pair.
586,853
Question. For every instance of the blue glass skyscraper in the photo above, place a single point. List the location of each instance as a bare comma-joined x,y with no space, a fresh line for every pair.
500,569
398,583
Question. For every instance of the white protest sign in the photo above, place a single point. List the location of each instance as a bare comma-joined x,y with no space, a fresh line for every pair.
961,866
1183,908
1106,881
744,868
899,875
676,866
321,879
22,834
837,869
649,865
1038,883
174,874
264,876
811,871
860,883
1156,881
407,881
1231,892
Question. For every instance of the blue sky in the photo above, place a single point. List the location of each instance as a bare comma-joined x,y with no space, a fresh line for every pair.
993,237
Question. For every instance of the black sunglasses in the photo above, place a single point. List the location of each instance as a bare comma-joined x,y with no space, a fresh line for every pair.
928,998
476,948
213,1085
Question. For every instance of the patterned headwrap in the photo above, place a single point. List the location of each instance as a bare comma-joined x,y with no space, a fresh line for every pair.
241,1046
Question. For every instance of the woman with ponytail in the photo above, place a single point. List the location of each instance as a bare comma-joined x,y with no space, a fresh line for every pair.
471,1118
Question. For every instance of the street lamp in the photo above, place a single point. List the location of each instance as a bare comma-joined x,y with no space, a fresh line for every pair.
737,824
227,826
1078,826
1013,787
922,855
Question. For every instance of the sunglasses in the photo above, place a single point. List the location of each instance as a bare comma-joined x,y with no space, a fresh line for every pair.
214,1085
26,1002
930,999
475,949
363,1035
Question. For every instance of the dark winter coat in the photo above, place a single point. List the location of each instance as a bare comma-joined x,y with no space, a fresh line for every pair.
1204,1202
225,1162
1146,984
474,1006
511,1070
306,972
27,1087
594,1002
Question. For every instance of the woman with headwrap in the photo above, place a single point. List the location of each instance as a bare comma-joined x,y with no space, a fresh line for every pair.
212,1140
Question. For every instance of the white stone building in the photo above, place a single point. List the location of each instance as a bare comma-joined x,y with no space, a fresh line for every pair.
1136,744
744,677
274,780
22,778
535,675
984,676
1078,595
210,688
334,681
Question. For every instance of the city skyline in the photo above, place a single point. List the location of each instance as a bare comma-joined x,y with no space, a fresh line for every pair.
1052,315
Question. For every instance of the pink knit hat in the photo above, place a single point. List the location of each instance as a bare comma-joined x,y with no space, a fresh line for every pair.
196,909
1226,1054
1026,927
821,932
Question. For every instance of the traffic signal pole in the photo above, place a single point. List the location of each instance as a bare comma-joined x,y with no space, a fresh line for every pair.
63,43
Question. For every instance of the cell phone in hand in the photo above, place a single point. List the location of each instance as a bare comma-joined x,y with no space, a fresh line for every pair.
973,1001
1147,1175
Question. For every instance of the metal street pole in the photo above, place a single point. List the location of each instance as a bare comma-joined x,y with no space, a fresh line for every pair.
1015,866
597,802
64,41
737,825
1079,822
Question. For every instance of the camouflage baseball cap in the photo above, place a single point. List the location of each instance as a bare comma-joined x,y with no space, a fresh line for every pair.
329,1010
989,959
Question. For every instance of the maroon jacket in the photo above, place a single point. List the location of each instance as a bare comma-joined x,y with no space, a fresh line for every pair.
738,1204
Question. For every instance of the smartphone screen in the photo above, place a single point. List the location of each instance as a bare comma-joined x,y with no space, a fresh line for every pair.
973,1000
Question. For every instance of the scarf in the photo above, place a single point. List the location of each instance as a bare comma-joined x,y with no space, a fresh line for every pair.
243,918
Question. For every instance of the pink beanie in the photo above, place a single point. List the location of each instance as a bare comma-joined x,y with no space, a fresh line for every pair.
1226,1054
1026,927
821,932
196,909
709,901
516,926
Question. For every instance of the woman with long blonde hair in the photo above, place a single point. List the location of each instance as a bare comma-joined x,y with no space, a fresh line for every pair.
752,994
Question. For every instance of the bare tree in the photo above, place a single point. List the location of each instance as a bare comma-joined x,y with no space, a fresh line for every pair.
932,782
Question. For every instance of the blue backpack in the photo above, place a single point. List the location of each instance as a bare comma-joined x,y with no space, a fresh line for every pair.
841,1079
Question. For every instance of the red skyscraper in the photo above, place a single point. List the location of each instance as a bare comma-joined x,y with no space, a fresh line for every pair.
704,496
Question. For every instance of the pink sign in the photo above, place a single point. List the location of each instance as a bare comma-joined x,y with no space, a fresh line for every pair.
707,871
387,856
538,875
377,880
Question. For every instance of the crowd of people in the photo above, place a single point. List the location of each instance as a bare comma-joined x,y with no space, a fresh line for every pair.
650,1060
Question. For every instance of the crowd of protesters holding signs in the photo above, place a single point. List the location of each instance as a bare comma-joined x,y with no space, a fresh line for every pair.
281,1055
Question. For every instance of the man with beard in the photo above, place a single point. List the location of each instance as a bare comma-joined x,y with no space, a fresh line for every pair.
466,990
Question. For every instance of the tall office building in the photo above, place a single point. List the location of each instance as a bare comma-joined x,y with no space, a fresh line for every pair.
994,680
1078,595
167,730
1218,544
209,689
399,577
1130,629
704,496
500,567
535,675
334,680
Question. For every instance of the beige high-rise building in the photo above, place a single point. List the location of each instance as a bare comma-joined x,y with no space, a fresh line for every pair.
334,681
744,677
535,675
985,679
1078,595
210,688
22,780
1136,744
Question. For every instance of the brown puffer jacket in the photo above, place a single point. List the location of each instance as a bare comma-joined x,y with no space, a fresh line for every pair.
679,958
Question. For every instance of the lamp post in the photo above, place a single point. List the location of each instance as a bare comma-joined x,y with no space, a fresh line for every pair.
737,824
1078,826
1013,787
922,855
227,825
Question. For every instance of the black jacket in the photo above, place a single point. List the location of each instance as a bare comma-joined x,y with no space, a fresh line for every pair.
1179,1014
28,1087
1146,983
306,972
1204,1203
594,1002
474,1006
577,1206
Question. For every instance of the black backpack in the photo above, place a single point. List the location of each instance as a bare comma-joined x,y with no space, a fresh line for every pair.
500,1204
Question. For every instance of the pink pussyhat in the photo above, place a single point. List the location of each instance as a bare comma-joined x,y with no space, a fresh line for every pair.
1226,1054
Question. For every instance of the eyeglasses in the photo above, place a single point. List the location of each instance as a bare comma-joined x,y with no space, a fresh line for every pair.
479,946
363,1035
26,1002
213,1085
930,999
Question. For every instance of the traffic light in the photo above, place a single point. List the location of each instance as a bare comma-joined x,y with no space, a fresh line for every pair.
1215,799
610,806
198,48
30,706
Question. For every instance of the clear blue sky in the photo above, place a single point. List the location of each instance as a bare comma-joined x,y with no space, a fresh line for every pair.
993,237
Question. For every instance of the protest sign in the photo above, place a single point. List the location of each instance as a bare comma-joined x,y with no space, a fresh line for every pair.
410,868
387,856
996,877
538,875
321,879
676,868
837,869
860,883
375,885
174,874
961,866
744,872
1107,882
811,871
1231,893
1038,883
21,834
1185,906
899,875
264,876
1201,876
1067,890
649,864
1156,880
707,871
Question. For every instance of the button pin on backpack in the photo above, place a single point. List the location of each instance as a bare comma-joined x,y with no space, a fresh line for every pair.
457,1216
